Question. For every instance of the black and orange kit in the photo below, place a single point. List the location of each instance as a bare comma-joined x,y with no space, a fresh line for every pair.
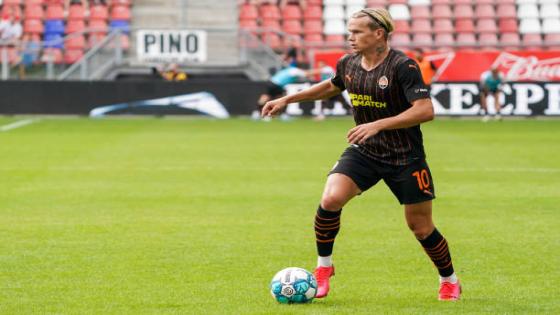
396,156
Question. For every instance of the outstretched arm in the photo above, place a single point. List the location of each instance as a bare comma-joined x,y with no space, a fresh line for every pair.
318,91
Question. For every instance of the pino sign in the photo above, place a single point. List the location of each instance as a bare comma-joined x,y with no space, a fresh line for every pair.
171,45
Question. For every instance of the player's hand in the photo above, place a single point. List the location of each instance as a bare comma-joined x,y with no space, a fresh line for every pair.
274,107
360,133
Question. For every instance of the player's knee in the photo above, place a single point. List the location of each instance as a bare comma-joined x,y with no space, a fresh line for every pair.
421,231
332,202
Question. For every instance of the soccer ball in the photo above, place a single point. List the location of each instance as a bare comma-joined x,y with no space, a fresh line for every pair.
293,285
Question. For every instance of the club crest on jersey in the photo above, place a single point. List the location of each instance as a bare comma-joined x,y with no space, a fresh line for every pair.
383,82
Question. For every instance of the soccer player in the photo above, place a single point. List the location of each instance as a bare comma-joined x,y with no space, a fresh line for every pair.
491,83
389,101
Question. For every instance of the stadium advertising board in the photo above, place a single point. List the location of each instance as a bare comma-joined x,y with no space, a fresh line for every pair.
222,98
463,66
171,45
463,99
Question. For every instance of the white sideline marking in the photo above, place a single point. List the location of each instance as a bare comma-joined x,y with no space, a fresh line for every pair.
17,124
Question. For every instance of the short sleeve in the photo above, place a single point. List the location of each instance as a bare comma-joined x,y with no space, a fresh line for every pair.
338,78
410,79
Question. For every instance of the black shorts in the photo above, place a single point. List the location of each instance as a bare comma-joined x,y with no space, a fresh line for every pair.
410,183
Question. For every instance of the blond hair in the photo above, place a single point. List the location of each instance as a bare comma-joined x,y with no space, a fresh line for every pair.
379,18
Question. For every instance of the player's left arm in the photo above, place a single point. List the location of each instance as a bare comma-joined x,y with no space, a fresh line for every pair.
416,93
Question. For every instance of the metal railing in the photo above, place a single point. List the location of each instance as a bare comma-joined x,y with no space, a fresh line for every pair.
97,61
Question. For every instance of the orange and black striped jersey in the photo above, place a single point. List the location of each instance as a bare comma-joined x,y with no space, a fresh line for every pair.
385,91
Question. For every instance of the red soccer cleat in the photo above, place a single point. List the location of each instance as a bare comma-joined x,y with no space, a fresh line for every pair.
322,274
449,291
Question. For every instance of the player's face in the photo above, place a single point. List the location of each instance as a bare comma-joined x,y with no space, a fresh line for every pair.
361,37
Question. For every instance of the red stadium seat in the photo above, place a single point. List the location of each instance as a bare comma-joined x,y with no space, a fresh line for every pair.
466,40
125,42
463,11
291,12
76,12
313,13
248,24
75,26
338,39
292,27
441,11
443,26
75,42
532,41
33,2
421,26
506,11
482,11
488,40
120,12
313,39
486,26
420,12
441,2
271,25
11,2
464,26
444,40
72,55
98,12
402,26
248,12
400,40
510,40
269,12
552,41
422,40
398,1
508,25
272,40
127,3
11,9
33,26
313,26
52,54
314,2
456,2
98,26
55,12
34,11
377,3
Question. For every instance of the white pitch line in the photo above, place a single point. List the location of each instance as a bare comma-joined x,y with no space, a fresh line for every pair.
17,124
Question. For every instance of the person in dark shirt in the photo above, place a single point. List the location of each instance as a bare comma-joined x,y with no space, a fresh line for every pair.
389,101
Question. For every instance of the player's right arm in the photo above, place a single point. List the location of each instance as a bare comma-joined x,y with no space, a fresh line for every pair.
322,90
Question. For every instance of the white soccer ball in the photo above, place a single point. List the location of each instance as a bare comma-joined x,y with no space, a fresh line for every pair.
293,285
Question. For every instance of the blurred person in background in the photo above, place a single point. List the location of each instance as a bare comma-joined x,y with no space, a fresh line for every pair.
12,30
29,53
491,82
390,102
427,67
172,73
276,87
327,72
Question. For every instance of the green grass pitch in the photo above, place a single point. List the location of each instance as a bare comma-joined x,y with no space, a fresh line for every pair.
195,216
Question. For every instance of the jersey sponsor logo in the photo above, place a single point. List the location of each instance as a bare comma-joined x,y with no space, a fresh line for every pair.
413,67
420,91
383,82
365,100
